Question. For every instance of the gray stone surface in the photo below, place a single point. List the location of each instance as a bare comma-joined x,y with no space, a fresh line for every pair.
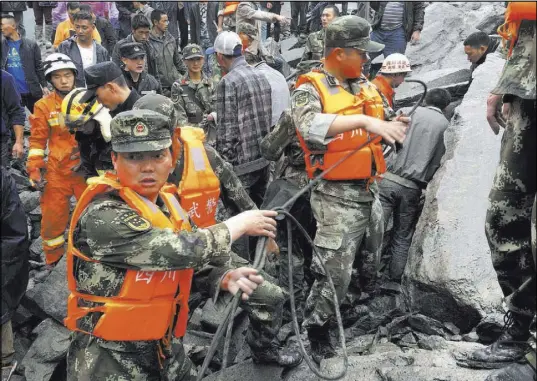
431,343
445,28
30,200
293,56
426,325
490,328
449,274
49,298
247,371
212,315
36,250
47,351
456,81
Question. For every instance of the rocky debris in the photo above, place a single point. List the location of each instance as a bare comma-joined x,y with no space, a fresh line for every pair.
490,24
247,370
427,325
448,278
470,337
36,250
212,315
490,328
49,298
30,200
456,81
47,351
431,343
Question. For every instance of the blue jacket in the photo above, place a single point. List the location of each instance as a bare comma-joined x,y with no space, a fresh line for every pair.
12,110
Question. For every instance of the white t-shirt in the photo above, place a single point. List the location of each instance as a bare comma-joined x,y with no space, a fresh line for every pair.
87,56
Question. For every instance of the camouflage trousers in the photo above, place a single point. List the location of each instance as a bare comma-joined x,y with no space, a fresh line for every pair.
342,226
90,358
510,206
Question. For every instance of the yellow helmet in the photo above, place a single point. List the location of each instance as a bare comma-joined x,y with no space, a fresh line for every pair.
76,114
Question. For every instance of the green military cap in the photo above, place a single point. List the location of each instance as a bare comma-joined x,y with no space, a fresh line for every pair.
192,51
140,131
247,29
158,103
351,32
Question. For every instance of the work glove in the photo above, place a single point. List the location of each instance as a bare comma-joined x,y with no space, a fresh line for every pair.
37,180
104,118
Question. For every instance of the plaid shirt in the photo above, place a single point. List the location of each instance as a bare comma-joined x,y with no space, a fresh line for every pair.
244,111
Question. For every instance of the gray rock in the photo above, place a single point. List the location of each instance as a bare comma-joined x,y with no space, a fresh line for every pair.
35,214
288,43
456,338
490,24
36,250
30,200
452,328
293,57
449,274
441,40
431,343
20,317
49,298
21,181
432,373
47,351
212,315
247,371
490,328
470,337
22,345
408,340
456,81
285,331
427,325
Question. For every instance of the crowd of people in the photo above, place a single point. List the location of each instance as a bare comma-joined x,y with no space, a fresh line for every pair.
175,130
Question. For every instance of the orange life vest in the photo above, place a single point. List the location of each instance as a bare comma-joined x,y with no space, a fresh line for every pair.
230,7
516,12
199,188
151,305
384,87
336,100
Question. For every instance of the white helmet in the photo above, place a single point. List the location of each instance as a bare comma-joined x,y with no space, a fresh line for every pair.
58,61
395,63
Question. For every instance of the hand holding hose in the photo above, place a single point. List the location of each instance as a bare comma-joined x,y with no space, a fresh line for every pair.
245,279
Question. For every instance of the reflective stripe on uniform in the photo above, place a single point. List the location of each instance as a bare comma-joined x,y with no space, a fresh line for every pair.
36,152
52,122
55,241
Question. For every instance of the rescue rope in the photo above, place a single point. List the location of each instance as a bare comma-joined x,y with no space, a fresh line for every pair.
260,254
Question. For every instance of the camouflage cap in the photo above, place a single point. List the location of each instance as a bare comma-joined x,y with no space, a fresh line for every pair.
158,103
247,29
140,131
351,32
192,51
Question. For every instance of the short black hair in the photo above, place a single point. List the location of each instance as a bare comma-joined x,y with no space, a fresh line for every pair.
156,16
72,5
120,81
440,98
477,39
83,16
334,8
140,21
86,8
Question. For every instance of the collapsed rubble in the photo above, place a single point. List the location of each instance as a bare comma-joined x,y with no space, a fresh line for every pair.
449,300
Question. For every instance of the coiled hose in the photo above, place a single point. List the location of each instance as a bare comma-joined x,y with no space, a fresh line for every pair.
259,261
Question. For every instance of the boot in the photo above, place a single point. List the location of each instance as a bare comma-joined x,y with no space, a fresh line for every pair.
321,347
47,35
510,347
39,35
516,372
285,357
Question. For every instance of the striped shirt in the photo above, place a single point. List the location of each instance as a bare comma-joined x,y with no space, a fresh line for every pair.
244,113
393,15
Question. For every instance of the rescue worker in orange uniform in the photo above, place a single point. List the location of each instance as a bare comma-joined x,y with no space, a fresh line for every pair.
131,258
392,74
336,110
54,177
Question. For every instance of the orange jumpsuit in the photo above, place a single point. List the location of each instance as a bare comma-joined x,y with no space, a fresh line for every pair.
62,182
384,88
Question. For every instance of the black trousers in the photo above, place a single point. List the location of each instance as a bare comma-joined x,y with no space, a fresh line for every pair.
29,101
183,28
298,17
276,8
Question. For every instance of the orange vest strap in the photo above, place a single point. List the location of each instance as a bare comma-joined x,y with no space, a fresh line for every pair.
516,12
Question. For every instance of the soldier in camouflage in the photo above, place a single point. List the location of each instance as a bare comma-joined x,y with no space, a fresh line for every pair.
106,232
343,209
314,49
194,94
510,200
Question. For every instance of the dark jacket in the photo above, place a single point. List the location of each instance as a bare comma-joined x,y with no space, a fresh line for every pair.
13,6
172,9
69,47
195,22
150,58
412,19
12,111
146,83
168,59
31,62
15,248
107,32
127,105
125,10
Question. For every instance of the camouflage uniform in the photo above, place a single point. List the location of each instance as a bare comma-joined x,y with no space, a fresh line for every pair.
105,232
314,49
513,191
343,209
511,198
